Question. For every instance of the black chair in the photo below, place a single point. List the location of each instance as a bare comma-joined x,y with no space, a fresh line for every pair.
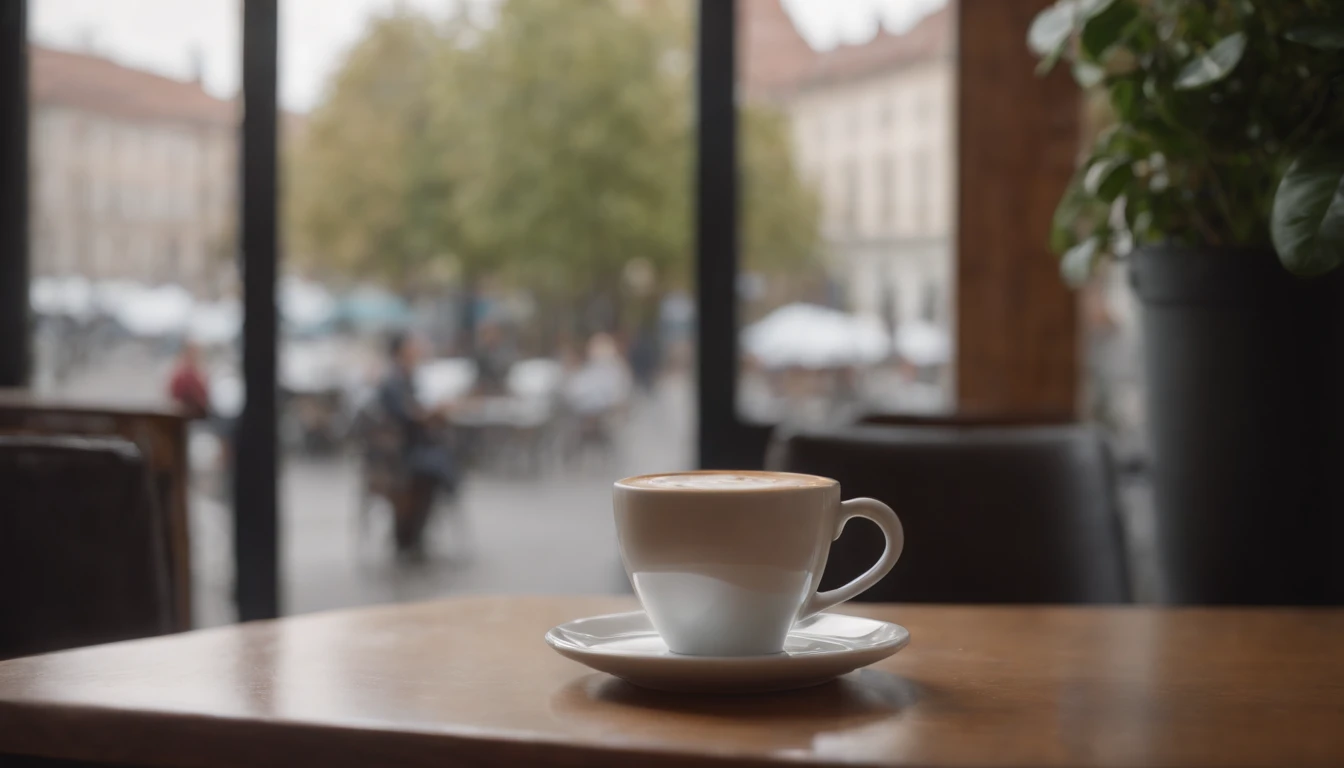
964,419
83,545
992,514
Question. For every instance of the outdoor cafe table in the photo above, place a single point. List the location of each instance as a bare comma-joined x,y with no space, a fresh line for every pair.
469,681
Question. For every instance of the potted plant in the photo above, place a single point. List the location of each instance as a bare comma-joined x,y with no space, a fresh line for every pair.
1220,180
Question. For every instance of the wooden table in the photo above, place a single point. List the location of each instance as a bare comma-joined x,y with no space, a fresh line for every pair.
160,433
470,682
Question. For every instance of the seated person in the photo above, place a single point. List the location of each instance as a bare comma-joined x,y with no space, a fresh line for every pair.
425,457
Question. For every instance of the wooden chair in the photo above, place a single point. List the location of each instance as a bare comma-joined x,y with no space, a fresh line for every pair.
84,547
992,514
161,436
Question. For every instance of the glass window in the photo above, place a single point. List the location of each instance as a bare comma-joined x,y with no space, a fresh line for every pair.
117,296
487,305
851,314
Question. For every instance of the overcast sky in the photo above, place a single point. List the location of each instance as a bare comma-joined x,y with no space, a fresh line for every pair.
167,35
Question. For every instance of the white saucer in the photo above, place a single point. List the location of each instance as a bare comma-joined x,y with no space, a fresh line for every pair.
818,649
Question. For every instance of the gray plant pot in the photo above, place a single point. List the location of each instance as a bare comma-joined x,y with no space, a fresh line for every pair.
1244,387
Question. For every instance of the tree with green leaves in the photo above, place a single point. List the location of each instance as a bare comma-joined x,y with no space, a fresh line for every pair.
575,146
548,149
363,202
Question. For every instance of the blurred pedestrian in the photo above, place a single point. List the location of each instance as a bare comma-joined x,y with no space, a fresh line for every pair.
425,456
494,357
645,358
596,394
187,385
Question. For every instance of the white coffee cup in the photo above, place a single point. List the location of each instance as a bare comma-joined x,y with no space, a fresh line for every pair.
725,562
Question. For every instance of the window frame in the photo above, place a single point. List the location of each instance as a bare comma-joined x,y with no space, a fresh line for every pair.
1016,323
15,334
1016,333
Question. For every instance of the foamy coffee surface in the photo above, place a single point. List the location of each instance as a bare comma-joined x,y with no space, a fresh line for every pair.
725,481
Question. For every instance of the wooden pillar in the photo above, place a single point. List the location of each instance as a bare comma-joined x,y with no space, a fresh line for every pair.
1017,330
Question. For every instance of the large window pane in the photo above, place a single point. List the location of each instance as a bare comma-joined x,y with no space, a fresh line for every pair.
134,168
847,133
507,182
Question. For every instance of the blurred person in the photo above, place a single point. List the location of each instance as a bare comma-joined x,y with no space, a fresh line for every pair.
425,457
605,378
190,391
494,355
645,357
596,393
571,359
187,385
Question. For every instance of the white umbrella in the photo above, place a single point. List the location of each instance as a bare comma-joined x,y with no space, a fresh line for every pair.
305,304
111,295
71,296
216,322
43,296
812,336
923,343
162,311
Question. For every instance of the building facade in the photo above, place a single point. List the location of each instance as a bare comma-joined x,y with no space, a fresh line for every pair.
873,128
134,175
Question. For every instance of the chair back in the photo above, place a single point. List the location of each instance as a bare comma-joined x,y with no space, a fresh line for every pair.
84,547
992,514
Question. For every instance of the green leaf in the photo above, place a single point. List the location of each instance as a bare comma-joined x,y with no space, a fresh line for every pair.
1329,37
1073,210
1107,27
1214,64
1089,8
1108,177
1307,223
1051,29
1115,183
1076,265
1122,99
1048,63
1061,234
1087,75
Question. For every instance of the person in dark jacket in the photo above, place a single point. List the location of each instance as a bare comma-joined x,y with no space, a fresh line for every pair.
427,459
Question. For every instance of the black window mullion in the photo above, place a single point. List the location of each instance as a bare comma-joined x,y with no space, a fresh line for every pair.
723,440
256,519
14,194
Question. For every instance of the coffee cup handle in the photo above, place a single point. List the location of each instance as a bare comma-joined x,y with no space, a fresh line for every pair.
890,524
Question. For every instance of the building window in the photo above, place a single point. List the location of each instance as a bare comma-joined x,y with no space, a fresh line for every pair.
923,189
886,184
851,181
